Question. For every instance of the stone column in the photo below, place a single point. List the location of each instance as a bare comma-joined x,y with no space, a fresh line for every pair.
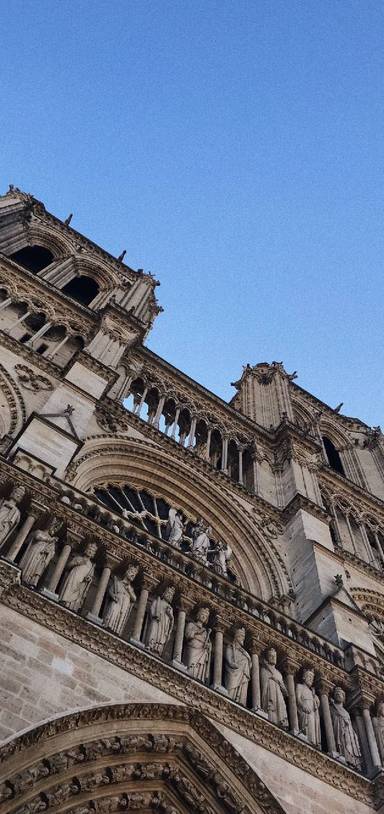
50,589
142,400
179,636
208,442
58,347
22,534
5,303
141,607
93,614
217,683
241,449
174,425
324,689
191,437
256,648
371,737
363,738
159,410
290,669
224,454
19,321
43,330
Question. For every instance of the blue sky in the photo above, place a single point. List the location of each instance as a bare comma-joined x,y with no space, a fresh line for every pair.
235,149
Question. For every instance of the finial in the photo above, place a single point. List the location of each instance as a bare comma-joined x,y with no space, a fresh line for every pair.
121,256
338,408
68,219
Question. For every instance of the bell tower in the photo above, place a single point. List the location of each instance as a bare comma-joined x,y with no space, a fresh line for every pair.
263,394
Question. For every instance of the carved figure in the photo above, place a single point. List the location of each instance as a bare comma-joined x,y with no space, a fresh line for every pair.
347,743
174,529
160,622
198,645
222,553
80,571
378,723
237,666
10,513
200,541
39,553
308,708
273,690
120,599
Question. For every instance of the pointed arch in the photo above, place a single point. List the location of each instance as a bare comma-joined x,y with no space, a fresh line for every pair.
106,758
144,466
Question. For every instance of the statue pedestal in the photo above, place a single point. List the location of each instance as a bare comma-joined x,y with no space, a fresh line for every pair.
97,620
179,665
219,688
50,594
260,712
137,644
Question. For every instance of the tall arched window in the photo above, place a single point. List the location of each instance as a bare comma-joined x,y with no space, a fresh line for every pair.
83,289
33,258
333,456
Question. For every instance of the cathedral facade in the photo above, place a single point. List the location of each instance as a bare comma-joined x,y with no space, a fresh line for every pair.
191,591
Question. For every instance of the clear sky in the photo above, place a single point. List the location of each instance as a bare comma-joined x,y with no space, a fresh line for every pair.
235,149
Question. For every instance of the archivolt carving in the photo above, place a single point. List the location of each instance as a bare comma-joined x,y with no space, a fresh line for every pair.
120,753
12,411
131,460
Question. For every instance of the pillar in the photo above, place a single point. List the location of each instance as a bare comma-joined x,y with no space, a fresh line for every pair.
324,690
371,737
142,400
363,739
19,321
217,683
43,330
93,615
5,303
56,348
241,478
50,589
255,675
140,613
192,433
224,454
159,410
208,449
179,637
174,427
21,536
290,672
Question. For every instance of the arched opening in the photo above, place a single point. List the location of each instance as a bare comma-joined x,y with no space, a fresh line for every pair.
333,456
83,289
33,258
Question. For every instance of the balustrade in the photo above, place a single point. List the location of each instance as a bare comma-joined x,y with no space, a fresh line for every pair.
181,423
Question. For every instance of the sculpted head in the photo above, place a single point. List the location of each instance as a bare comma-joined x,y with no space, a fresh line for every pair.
169,593
339,695
17,493
131,572
271,656
308,676
203,615
239,635
91,550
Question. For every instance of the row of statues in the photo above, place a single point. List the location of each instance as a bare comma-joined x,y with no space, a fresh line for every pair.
198,645
198,544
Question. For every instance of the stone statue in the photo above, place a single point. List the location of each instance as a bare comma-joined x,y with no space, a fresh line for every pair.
347,743
222,553
120,597
198,645
273,690
200,541
237,667
160,622
10,513
39,553
378,723
80,571
308,708
174,529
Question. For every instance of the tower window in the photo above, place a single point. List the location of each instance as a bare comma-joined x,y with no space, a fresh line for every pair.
333,456
83,289
33,258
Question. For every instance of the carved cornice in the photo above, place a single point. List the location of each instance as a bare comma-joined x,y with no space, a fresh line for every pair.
201,698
